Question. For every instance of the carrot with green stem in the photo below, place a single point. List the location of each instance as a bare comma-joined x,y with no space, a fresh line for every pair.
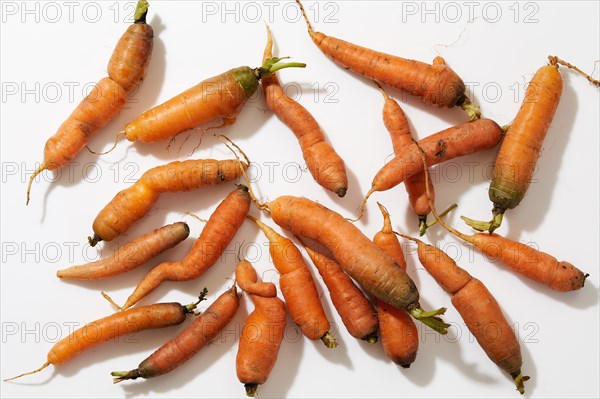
126,69
298,287
399,335
435,84
133,254
187,343
521,148
218,232
324,164
131,204
263,330
116,325
356,311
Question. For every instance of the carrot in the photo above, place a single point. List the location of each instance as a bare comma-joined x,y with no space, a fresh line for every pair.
131,204
324,164
262,332
131,255
187,343
478,308
126,69
298,287
357,313
457,141
116,325
435,84
220,97
398,331
397,125
218,232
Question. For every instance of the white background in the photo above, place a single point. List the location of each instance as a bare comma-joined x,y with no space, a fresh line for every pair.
496,54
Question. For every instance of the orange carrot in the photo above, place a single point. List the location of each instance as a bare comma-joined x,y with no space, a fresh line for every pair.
220,97
262,332
357,313
436,84
131,204
218,232
457,141
126,69
116,325
298,287
398,331
187,343
478,308
324,164
133,254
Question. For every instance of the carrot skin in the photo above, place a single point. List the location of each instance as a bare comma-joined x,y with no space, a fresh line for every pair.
133,254
246,278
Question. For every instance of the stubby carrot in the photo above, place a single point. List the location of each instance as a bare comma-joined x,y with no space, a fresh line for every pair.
131,204
263,330
435,84
187,343
131,255
218,232
298,287
116,325
324,164
399,335
126,69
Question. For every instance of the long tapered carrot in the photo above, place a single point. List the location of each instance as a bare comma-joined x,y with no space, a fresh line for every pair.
324,164
131,204
133,254
435,84
298,287
398,332
126,69
356,311
116,325
218,232
187,343
263,330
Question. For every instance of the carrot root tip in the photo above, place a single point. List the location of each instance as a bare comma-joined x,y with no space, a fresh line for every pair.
329,340
430,319
121,376
29,373
519,380
371,338
94,240
251,389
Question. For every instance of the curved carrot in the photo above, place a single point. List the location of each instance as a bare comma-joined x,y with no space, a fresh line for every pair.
131,255
435,84
131,204
324,164
116,325
126,69
187,343
357,313
399,335
478,308
262,332
218,232
298,287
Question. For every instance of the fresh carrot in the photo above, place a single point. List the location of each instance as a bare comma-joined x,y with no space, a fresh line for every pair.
262,332
131,204
116,325
399,335
397,125
460,140
324,164
478,308
126,68
133,254
435,84
187,343
298,287
218,232
220,97
356,311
